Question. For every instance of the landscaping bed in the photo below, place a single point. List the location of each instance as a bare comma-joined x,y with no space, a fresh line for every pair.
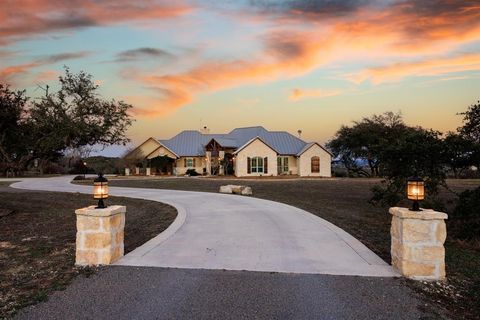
37,240
344,202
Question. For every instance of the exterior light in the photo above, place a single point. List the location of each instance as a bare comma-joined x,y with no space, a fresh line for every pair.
415,191
100,190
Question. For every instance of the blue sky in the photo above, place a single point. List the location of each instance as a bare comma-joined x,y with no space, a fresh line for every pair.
286,65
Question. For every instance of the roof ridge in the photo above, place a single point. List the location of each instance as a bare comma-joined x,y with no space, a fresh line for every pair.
249,127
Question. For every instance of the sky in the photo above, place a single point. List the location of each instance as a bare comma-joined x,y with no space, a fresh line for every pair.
285,65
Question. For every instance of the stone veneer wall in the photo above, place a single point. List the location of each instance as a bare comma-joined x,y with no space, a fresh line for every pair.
417,243
100,235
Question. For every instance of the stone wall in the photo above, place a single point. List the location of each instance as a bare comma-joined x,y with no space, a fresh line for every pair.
100,235
417,243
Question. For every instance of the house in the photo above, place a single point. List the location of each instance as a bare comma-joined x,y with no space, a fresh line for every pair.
251,151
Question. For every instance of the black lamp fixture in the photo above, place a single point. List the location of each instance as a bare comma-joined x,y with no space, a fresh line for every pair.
100,190
415,191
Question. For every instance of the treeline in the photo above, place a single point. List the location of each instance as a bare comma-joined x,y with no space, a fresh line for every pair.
385,146
38,132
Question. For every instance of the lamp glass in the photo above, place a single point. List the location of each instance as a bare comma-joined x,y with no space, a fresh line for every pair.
416,190
100,188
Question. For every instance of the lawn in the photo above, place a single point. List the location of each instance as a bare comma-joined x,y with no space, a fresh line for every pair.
37,240
344,202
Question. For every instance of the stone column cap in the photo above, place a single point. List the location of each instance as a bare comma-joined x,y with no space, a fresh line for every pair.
105,212
425,214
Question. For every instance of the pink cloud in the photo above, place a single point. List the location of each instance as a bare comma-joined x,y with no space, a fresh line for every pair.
425,67
405,29
24,18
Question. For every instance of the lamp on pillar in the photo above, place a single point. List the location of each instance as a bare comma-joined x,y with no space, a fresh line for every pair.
100,190
415,191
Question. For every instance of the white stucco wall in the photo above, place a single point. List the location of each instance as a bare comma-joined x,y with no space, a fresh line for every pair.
255,149
143,149
305,162
180,168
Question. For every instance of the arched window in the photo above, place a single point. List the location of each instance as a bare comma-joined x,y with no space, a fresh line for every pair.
315,164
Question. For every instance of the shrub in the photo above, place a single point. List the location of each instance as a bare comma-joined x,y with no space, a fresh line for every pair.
191,173
464,221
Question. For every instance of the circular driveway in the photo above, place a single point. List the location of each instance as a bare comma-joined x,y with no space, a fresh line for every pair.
218,231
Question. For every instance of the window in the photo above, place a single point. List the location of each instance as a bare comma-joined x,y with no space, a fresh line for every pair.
257,165
189,162
315,164
282,165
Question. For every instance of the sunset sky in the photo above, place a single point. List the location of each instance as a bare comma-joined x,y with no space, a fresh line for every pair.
286,65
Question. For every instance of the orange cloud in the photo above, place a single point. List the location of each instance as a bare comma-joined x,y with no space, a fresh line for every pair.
298,94
7,74
23,18
287,54
303,42
433,67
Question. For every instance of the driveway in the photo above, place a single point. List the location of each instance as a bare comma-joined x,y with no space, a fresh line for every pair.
217,231
318,267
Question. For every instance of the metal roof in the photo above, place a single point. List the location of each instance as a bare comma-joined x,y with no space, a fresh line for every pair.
192,142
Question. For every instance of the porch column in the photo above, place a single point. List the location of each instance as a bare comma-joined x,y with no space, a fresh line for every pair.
148,172
208,164
137,171
127,171
221,157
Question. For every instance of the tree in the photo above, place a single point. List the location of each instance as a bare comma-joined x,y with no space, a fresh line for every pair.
76,116
15,142
471,131
458,153
365,140
471,123
414,151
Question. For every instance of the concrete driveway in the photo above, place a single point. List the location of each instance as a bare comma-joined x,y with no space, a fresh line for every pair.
217,231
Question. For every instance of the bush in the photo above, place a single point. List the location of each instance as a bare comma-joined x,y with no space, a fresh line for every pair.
192,173
464,222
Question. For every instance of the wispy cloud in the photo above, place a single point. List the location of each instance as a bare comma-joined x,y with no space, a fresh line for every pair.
395,29
8,74
299,94
425,67
24,18
142,53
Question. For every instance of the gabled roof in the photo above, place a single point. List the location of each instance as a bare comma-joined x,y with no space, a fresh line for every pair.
225,142
309,145
164,146
250,141
192,142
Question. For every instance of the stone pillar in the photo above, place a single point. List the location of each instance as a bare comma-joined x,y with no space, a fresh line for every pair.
127,171
148,172
417,243
99,235
208,162
137,171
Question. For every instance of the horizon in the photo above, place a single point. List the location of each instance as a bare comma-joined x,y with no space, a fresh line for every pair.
285,65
